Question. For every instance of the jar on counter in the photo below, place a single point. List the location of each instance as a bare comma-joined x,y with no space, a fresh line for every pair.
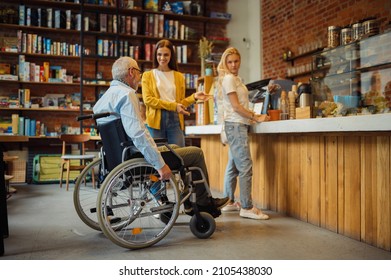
346,36
333,36
357,31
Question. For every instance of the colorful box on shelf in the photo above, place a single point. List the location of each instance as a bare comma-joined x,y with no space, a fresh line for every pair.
8,77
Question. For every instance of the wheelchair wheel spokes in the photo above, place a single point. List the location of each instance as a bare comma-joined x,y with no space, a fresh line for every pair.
85,194
137,207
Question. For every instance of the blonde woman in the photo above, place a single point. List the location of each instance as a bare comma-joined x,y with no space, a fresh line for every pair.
237,120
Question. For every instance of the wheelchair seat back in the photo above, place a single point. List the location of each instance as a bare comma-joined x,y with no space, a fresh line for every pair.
115,140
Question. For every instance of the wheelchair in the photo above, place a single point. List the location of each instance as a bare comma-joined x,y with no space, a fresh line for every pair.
128,202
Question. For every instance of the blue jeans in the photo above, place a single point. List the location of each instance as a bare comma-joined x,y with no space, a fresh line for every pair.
170,128
239,164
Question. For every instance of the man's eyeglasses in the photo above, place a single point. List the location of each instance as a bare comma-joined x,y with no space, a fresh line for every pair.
141,73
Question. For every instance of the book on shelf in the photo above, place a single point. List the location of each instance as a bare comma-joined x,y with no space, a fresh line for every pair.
134,25
57,19
148,24
39,17
15,123
128,25
115,24
176,29
103,22
32,128
24,97
200,113
49,17
68,24
148,51
179,54
22,14
28,16
161,26
155,25
26,127
21,125
46,71
184,53
109,23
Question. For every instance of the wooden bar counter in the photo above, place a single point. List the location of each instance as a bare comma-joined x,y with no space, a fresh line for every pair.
332,172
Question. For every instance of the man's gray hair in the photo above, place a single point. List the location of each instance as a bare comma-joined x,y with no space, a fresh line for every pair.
121,67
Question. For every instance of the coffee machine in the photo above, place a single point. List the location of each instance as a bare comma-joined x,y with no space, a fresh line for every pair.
304,95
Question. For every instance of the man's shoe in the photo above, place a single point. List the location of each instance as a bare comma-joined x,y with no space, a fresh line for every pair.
114,220
220,202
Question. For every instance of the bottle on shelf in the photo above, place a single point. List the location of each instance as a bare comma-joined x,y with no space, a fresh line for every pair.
292,102
284,106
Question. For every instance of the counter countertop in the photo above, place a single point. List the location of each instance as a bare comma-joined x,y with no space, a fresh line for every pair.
363,123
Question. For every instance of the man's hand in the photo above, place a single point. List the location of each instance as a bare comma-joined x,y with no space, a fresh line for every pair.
165,173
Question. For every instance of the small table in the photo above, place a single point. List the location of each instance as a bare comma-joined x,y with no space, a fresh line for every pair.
6,159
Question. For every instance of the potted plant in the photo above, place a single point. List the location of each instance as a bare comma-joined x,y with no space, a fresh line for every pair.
204,50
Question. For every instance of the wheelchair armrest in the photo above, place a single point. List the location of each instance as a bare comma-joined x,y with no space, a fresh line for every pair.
160,140
127,144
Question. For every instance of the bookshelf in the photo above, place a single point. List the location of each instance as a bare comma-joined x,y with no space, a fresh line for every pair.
205,110
65,49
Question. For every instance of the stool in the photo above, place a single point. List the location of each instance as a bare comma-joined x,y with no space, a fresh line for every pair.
7,179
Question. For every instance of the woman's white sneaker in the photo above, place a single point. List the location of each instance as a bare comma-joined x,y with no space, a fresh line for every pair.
230,207
253,213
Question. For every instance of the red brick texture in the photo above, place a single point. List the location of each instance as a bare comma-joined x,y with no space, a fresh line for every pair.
291,23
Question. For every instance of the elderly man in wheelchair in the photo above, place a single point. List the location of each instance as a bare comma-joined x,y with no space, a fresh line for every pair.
146,180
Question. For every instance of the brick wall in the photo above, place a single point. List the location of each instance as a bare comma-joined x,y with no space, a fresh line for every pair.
292,23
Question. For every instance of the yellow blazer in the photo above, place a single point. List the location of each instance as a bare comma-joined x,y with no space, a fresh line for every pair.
154,104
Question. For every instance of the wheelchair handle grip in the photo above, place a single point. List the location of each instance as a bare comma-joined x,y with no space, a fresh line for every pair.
84,117
93,116
101,115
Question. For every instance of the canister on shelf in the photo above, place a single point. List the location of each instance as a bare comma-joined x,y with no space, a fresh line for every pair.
346,36
371,27
333,36
357,31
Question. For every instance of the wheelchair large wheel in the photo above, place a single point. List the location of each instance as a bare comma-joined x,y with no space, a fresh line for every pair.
137,199
85,194
203,228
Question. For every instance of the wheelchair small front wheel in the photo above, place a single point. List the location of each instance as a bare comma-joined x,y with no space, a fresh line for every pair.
204,228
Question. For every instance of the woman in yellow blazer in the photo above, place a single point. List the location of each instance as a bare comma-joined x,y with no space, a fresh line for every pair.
164,95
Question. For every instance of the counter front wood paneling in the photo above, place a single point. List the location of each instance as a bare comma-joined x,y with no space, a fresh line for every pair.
336,180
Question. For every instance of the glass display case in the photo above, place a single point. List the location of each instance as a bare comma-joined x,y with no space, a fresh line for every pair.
358,74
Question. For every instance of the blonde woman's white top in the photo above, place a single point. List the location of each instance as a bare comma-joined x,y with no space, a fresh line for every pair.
230,84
